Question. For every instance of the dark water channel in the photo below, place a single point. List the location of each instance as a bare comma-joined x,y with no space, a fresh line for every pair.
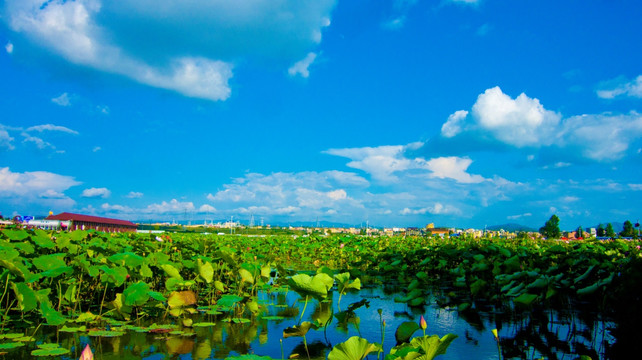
523,334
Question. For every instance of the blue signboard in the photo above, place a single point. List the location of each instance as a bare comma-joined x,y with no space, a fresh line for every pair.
27,218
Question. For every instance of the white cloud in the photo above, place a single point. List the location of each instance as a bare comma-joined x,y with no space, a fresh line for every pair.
520,122
116,208
301,66
134,195
453,167
172,207
437,209
453,126
635,187
62,100
9,48
524,122
6,140
52,127
96,193
602,137
35,188
40,143
96,148
380,162
515,217
631,88
178,46
206,209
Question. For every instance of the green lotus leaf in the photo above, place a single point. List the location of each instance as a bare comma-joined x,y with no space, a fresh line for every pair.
203,324
316,286
205,270
298,330
246,276
171,271
228,300
128,259
405,331
50,315
49,262
116,275
433,345
43,240
525,299
136,294
27,299
355,348
11,345
105,333
16,235
249,357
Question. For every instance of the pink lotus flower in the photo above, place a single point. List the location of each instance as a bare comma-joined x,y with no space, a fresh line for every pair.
86,354
422,323
341,246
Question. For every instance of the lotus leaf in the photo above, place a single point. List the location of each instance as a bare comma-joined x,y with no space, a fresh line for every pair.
49,262
355,348
136,294
205,270
525,299
316,286
116,276
181,298
52,316
405,330
16,235
27,299
11,345
229,300
171,271
246,276
128,259
298,330
433,346
105,333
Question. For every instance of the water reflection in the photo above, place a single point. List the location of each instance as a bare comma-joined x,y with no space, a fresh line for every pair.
532,333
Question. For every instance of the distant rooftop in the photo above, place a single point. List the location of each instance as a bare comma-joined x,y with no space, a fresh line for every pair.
89,218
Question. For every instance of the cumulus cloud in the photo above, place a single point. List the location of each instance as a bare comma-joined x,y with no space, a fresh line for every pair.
116,208
96,193
205,208
134,195
179,46
62,100
621,87
452,167
453,126
301,67
9,48
35,188
524,122
520,122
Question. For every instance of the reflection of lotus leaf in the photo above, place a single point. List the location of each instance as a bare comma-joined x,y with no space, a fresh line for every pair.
180,345
50,352
355,348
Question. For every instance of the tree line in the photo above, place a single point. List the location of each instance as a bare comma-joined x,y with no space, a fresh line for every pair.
551,230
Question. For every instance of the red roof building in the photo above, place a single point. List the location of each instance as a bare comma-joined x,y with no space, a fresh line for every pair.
88,222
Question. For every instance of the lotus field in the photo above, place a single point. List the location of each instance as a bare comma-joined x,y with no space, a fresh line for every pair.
194,296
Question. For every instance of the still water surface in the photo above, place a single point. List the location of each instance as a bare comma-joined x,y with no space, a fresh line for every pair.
551,335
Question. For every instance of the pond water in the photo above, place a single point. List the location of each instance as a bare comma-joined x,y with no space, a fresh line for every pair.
532,335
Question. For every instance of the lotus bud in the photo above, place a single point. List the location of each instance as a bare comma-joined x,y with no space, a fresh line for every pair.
422,323
86,354
495,334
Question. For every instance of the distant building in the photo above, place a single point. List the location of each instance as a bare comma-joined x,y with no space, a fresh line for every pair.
88,222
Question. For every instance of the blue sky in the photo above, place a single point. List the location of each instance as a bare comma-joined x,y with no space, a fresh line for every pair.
400,113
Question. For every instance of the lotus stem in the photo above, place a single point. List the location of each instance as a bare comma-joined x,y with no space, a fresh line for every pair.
282,353
304,306
305,344
103,300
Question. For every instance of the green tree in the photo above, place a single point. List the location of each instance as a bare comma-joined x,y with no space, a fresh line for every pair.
579,233
627,230
551,228
601,231
609,230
